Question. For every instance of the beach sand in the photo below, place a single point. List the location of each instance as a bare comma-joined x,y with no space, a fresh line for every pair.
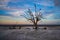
29,34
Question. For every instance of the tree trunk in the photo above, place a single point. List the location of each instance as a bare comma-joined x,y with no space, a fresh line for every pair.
35,25
20,27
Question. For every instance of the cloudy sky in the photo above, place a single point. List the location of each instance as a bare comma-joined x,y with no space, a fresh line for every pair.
10,11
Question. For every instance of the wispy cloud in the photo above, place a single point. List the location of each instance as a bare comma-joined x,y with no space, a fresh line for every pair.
50,22
16,13
49,16
45,2
52,16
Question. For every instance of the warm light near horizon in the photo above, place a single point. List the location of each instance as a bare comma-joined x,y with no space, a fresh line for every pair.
27,22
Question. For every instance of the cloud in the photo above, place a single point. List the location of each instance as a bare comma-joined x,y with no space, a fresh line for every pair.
16,13
4,2
10,11
45,2
49,16
4,17
4,5
50,22
57,2
13,20
52,16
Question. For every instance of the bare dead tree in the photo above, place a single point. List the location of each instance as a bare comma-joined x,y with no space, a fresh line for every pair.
34,18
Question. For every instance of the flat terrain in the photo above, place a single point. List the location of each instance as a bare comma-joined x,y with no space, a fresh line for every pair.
29,34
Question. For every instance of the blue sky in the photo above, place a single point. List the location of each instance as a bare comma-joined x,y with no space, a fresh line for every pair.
10,11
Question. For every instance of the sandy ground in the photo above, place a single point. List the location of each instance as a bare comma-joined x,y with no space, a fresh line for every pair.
29,34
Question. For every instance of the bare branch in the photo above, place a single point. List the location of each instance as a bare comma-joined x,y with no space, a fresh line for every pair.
34,19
